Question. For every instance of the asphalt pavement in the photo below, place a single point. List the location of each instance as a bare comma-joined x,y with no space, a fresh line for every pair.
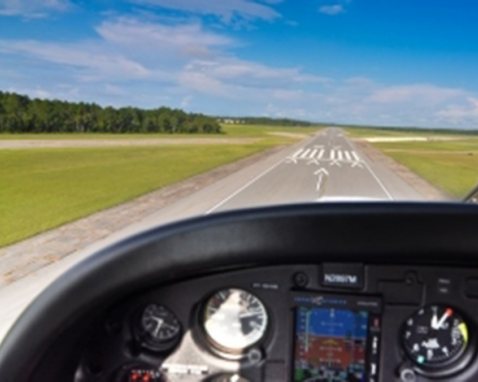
328,167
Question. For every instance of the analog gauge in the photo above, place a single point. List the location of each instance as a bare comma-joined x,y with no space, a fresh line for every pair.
435,336
158,327
234,320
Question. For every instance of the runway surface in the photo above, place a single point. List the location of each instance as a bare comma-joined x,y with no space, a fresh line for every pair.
325,168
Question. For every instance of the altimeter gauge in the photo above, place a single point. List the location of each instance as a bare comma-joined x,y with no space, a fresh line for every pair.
234,320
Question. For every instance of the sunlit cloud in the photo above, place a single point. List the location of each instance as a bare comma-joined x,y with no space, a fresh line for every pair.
332,10
188,39
415,92
32,8
226,10
458,113
83,56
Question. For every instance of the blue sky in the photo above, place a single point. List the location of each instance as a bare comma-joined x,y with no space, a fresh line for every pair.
395,62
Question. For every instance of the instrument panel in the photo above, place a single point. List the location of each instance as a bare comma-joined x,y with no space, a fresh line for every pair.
329,322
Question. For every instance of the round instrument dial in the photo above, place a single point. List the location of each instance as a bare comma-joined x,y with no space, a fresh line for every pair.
435,336
234,320
158,327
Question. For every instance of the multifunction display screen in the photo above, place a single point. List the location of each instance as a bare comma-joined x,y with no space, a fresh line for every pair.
336,338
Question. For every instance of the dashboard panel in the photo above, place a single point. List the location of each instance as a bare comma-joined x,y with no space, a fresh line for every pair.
251,295
329,322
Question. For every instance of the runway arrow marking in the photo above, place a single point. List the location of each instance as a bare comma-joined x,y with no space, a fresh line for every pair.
321,173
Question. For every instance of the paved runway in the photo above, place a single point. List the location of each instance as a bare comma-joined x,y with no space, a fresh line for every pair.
326,167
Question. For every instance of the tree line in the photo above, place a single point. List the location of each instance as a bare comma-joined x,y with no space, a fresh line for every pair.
21,114
267,121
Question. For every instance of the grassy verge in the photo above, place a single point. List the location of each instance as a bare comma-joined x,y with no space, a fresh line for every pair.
44,188
229,130
451,165
359,132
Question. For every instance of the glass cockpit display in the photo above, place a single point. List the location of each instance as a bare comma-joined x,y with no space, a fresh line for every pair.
336,339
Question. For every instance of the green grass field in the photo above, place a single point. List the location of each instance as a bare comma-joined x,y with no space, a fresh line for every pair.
448,161
44,188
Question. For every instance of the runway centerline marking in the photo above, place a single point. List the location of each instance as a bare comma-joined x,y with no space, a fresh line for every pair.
321,172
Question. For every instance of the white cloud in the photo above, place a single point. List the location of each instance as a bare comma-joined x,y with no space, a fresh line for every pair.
332,10
125,49
230,68
226,10
415,92
91,57
187,39
241,80
35,93
32,8
186,101
203,83
457,114
185,56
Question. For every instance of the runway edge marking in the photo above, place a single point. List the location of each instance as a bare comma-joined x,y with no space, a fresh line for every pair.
255,179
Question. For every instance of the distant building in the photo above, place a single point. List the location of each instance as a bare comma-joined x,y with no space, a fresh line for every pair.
231,121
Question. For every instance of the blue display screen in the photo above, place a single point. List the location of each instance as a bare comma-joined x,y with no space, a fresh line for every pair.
330,344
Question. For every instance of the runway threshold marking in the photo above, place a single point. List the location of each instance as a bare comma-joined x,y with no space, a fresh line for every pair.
305,154
334,156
